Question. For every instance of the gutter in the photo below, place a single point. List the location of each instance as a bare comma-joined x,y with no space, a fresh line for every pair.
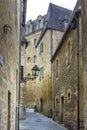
77,69
22,24
20,61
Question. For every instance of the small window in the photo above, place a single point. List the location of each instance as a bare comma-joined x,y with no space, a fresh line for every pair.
35,59
29,29
35,40
28,74
69,96
57,67
28,44
41,47
28,60
22,69
69,53
39,24
41,73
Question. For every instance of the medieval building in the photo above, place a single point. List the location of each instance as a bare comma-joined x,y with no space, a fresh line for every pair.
67,88
42,37
56,42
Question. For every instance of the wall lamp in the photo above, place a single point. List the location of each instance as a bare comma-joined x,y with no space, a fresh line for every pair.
35,71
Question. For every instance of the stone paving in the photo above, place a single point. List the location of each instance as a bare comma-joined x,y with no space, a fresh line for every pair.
36,121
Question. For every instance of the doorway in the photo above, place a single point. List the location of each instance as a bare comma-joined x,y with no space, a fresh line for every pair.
41,105
62,109
9,109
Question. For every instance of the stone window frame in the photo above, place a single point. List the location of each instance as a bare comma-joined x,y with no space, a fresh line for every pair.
35,59
40,22
69,52
69,94
57,67
40,48
28,60
29,27
41,73
35,41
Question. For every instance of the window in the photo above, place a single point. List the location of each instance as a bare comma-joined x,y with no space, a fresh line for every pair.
28,60
29,29
1,59
41,73
22,68
69,53
28,74
28,44
39,24
35,40
69,96
40,48
57,67
35,59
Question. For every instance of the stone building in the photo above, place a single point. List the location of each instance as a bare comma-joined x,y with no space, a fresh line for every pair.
84,57
67,88
9,63
43,36
46,46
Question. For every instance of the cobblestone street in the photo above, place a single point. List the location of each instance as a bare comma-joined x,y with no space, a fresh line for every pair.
36,121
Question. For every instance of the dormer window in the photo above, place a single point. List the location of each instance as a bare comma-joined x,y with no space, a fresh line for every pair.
40,21
29,29
29,26
39,24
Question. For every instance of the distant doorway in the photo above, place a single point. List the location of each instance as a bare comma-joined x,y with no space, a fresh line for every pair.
41,105
9,109
62,109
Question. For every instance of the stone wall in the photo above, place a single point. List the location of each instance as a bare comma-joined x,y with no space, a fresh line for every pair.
44,91
65,84
9,62
84,57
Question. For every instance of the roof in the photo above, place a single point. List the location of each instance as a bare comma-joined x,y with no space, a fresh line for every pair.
56,16
75,11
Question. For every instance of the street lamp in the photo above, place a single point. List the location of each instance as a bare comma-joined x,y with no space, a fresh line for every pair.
35,70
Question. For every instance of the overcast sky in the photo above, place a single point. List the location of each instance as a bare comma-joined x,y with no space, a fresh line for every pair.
40,7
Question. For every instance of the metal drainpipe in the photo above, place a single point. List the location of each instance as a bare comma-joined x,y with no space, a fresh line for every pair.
20,60
51,53
77,64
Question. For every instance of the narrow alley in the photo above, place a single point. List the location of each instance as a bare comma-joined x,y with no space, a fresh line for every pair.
36,121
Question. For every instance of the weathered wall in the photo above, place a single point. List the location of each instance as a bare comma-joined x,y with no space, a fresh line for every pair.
31,85
84,57
67,85
50,41
9,68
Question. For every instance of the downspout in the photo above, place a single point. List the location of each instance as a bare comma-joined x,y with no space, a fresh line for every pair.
51,53
77,69
20,61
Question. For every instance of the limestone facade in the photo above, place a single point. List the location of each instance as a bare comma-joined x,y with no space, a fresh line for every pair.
9,63
67,86
84,57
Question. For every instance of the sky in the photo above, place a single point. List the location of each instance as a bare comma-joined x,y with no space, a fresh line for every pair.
40,7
